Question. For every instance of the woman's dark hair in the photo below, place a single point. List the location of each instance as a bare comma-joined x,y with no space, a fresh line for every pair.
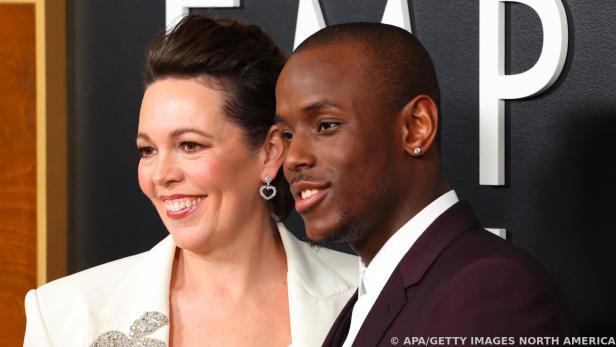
243,60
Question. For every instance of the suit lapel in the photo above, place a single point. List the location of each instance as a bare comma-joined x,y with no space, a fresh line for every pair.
383,312
412,267
340,329
453,222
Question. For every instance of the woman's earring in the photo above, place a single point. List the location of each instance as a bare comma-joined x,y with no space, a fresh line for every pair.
417,151
267,190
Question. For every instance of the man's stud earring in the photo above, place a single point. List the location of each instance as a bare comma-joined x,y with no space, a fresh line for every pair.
267,190
417,151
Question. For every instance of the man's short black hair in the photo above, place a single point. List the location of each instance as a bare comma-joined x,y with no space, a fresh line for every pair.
398,66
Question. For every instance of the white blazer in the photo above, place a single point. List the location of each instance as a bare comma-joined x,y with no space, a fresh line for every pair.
110,301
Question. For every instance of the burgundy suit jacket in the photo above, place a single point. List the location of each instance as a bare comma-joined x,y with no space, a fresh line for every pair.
459,280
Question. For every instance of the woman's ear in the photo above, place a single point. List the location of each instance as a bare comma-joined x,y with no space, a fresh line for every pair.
274,152
420,125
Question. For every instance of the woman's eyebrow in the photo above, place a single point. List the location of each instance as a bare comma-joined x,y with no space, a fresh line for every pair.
143,136
177,133
182,131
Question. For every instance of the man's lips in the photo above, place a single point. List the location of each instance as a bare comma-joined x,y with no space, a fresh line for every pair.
308,194
179,206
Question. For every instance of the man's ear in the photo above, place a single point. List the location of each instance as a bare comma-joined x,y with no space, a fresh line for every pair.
274,153
420,125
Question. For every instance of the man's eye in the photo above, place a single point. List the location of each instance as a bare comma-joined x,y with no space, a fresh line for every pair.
327,125
287,135
145,152
190,147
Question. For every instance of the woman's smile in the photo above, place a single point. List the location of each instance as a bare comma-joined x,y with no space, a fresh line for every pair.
180,206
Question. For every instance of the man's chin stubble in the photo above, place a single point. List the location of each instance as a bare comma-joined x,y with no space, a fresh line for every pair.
346,230
349,228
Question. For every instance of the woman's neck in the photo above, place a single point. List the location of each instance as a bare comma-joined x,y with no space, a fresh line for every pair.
236,268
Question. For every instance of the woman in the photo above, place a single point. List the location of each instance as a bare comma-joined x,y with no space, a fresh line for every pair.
228,275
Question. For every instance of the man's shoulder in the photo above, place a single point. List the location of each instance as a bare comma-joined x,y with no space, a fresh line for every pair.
477,280
477,261
479,247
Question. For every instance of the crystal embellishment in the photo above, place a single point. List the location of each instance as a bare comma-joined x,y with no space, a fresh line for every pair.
267,191
112,339
145,325
148,323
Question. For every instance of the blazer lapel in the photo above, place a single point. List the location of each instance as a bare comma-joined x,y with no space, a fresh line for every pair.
454,221
340,329
315,289
144,288
383,312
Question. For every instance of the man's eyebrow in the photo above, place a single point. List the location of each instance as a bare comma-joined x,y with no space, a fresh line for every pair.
317,105
279,119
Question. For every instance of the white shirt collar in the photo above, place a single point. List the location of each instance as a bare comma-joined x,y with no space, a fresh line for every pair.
373,278
375,275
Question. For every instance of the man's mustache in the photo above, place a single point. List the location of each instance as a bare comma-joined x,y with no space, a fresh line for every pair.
299,177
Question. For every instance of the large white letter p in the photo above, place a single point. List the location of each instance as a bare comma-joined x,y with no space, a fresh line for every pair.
495,86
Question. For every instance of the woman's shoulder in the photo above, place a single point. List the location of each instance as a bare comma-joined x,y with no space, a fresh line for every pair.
320,282
92,280
67,303
97,282
339,261
75,309
320,268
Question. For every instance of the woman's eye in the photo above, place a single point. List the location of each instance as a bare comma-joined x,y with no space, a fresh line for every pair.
327,125
190,147
145,151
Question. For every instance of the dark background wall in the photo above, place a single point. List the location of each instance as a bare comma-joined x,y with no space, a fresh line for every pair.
561,145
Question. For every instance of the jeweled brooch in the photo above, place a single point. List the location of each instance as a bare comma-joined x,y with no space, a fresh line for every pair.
145,325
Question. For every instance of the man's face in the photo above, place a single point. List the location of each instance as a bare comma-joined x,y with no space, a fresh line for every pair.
340,142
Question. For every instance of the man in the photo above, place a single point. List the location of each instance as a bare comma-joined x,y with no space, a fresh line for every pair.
358,108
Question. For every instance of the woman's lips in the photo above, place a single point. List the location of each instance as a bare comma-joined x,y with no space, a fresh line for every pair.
181,207
309,198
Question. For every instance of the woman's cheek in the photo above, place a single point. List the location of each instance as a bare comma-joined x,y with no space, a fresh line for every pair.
145,181
207,172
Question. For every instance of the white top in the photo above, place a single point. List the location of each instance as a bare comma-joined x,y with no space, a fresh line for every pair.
374,277
104,301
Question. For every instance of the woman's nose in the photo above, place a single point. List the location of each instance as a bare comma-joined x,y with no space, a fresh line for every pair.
167,171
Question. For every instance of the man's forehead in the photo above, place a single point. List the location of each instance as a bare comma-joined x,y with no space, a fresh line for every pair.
317,78
332,63
335,51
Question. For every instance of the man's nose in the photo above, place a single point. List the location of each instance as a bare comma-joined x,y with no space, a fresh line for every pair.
167,171
299,154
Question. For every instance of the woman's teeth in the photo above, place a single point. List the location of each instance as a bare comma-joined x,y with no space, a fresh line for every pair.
180,204
308,193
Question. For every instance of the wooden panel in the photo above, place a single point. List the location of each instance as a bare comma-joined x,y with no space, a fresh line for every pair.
52,141
18,166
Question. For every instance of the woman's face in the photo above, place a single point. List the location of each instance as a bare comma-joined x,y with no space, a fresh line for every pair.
195,166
